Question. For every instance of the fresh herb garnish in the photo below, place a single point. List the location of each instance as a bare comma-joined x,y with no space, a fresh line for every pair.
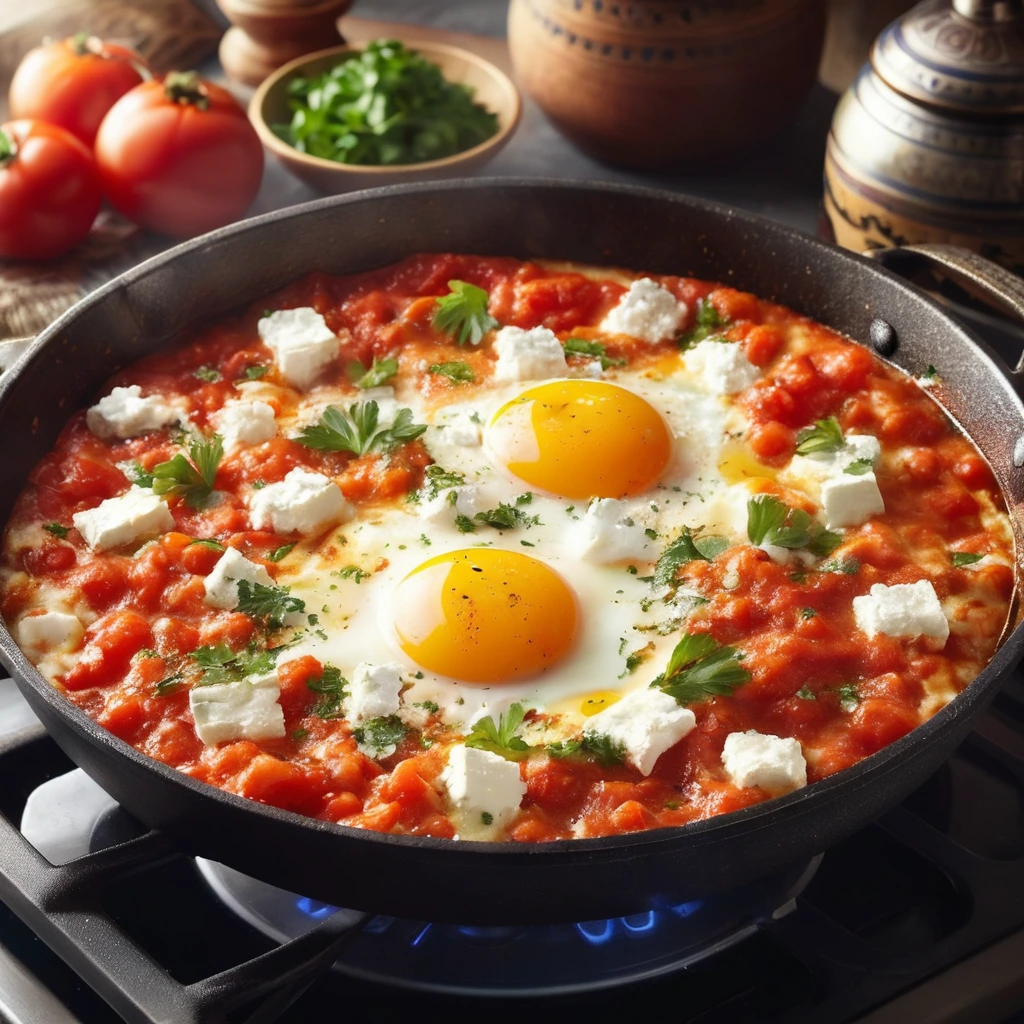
931,373
464,524
859,467
356,431
386,105
457,373
168,686
806,693
962,558
603,748
685,548
435,480
848,696
380,735
256,371
771,521
507,517
707,321
700,668
462,313
501,738
206,542
591,349
807,613
825,436
352,572
428,705
139,476
486,818
379,373
331,685
268,606
220,664
278,553
847,565
192,480
56,529
210,374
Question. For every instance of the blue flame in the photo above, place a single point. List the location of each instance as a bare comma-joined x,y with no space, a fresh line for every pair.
597,933
637,923
686,909
421,935
314,908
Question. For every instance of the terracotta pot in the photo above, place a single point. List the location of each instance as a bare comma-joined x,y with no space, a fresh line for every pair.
927,145
660,85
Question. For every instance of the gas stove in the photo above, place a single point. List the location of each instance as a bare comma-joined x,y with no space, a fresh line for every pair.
919,917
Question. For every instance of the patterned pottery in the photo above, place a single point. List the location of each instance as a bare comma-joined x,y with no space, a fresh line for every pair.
658,85
927,145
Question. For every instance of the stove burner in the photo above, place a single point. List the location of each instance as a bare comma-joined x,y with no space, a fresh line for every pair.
521,961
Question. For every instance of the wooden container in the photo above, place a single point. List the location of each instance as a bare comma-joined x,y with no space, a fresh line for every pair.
927,145
659,85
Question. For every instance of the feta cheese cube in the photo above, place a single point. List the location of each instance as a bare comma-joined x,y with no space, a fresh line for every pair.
849,500
222,583
245,423
373,692
858,447
247,710
479,782
42,632
647,311
904,609
646,722
528,355
723,365
302,502
135,515
302,343
458,429
457,501
607,534
820,466
774,763
125,412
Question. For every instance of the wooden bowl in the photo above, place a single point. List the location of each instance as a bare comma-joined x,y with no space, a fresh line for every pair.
491,87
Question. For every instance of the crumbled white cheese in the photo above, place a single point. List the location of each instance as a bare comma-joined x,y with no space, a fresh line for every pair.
481,783
133,516
528,355
723,365
457,429
302,343
647,311
646,723
464,500
40,633
303,501
607,534
821,466
774,763
246,710
373,692
125,412
902,610
849,500
245,423
222,583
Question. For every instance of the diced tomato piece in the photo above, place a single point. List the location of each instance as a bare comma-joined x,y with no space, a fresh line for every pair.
110,643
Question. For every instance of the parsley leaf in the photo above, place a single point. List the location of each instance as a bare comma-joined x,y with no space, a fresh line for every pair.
265,605
501,738
592,349
220,664
206,542
959,558
859,467
356,431
380,735
210,374
457,373
139,476
255,372
330,684
193,480
699,668
380,372
437,479
685,548
507,517
824,436
806,693
849,697
771,521
168,686
62,531
352,572
604,749
278,553
707,322
846,565
462,313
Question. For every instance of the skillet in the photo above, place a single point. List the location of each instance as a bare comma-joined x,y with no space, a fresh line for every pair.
658,232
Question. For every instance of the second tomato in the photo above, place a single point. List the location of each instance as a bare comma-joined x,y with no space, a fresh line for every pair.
179,157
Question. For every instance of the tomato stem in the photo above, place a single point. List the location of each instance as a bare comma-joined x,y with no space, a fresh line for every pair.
82,43
186,87
8,148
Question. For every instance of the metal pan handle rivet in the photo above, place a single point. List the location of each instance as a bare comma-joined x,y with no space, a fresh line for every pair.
883,336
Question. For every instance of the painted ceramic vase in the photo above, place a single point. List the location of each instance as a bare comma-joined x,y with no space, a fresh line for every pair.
666,85
927,145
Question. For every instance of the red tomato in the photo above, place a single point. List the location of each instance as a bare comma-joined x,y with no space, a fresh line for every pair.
49,190
74,82
179,156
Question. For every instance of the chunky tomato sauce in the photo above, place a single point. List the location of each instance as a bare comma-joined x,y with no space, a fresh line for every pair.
813,674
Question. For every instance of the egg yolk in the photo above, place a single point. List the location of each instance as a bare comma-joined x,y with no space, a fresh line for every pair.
483,615
581,439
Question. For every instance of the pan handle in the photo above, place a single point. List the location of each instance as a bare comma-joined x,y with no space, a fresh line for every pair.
994,284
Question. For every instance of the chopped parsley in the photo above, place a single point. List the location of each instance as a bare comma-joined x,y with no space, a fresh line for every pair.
428,705
500,739
206,542
771,521
220,664
62,531
859,467
435,480
958,558
352,572
591,349
700,668
255,372
380,372
685,548
807,613
848,696
209,374
331,685
139,476
508,517
278,553
267,606
604,749
847,565
192,480
168,686
357,432
806,693
487,818
825,436
457,373
462,313
707,321
380,735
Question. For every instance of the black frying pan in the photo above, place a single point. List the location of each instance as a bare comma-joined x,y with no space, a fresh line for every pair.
503,883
